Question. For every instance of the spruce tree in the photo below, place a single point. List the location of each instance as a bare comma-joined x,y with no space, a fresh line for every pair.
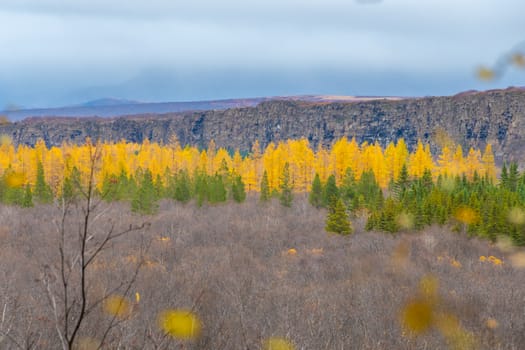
109,188
238,191
330,191
159,187
426,180
513,177
265,188
42,191
182,191
367,189
145,200
401,184
70,187
504,177
216,189
27,201
201,187
337,220
316,194
347,191
286,195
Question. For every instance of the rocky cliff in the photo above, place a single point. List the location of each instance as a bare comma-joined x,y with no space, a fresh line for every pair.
472,119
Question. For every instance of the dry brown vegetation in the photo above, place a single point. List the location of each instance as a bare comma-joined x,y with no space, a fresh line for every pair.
254,271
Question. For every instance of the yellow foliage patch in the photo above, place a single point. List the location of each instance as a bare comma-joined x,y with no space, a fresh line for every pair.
455,263
491,323
491,259
452,261
291,251
495,260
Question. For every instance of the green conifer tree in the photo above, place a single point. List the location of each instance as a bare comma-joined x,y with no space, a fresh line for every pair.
145,200
160,190
286,195
316,194
330,191
347,190
42,191
71,186
109,188
238,191
401,184
337,220
504,177
201,187
513,177
27,201
182,191
216,189
265,188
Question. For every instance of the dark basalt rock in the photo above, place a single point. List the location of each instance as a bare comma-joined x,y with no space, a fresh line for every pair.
472,119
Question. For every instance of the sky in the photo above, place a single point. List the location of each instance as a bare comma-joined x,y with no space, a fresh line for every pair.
64,52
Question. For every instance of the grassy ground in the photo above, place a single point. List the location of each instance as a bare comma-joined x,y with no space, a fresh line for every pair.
252,272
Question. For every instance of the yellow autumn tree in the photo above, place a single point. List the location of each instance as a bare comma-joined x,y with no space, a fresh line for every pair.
489,165
420,160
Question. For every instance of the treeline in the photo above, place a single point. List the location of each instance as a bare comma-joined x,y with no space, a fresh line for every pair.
144,191
141,190
162,161
396,190
477,206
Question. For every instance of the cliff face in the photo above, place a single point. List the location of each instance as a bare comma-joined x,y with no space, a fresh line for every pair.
471,119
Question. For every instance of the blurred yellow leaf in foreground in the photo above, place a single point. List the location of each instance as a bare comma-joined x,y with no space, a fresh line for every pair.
278,344
417,316
182,324
13,179
518,59
118,306
485,73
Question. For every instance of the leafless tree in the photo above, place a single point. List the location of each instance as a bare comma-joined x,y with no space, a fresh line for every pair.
68,285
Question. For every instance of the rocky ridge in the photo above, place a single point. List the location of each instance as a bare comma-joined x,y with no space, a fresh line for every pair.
471,119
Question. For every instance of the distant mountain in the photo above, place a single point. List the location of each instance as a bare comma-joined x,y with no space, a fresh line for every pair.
108,102
112,107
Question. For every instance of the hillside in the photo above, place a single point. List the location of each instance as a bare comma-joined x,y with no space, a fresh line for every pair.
471,119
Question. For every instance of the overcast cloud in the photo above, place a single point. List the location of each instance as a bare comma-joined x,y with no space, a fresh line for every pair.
63,52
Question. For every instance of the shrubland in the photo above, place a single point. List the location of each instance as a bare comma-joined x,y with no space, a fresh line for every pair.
257,274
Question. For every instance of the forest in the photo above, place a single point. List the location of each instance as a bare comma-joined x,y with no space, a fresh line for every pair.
393,188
